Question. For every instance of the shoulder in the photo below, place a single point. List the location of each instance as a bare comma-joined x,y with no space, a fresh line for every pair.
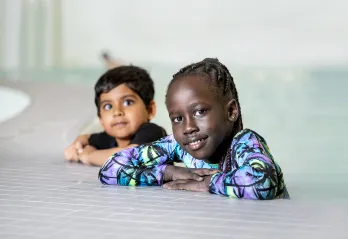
247,135
102,140
153,129
166,145
151,126
147,133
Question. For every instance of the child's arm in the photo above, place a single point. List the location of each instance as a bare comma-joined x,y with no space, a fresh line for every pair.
148,165
138,166
93,156
254,173
71,153
101,150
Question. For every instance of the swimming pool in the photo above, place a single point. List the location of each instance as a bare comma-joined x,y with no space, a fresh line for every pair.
300,111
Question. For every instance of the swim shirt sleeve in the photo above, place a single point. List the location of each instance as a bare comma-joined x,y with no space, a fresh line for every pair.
253,173
139,166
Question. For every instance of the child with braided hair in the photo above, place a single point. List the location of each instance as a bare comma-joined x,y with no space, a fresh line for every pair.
208,137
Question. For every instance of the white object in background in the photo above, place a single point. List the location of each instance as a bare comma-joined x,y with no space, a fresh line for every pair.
12,103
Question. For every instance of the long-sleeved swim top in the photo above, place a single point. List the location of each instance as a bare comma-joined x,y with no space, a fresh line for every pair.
254,174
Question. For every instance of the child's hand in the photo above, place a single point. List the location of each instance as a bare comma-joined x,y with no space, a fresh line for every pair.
173,173
85,153
189,185
71,153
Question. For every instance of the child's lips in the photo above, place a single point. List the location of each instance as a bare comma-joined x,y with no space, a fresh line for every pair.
196,144
119,124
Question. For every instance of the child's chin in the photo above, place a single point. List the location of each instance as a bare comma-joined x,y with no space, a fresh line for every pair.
200,154
121,136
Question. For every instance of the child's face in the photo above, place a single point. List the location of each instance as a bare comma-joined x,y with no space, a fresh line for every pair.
122,112
200,120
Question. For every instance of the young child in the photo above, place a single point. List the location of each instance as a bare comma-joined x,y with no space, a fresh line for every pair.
221,157
124,99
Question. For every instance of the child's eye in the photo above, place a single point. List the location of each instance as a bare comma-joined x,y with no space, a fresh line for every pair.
107,107
128,102
199,113
177,119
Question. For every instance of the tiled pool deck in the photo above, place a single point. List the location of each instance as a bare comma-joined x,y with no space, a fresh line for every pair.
42,196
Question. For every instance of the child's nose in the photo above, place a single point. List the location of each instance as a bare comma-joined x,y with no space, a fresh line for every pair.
190,126
118,112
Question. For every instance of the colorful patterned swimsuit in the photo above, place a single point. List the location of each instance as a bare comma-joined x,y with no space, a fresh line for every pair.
254,173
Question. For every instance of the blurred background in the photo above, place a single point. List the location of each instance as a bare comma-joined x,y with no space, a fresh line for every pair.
289,60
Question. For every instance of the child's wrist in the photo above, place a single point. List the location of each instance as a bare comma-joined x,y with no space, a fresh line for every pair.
207,180
168,173
83,139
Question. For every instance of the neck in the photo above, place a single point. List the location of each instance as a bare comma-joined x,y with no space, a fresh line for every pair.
220,152
122,143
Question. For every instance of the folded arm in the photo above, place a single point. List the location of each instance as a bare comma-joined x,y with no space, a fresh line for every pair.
253,174
139,166
97,157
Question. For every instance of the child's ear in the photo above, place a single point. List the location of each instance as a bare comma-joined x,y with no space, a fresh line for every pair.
233,110
151,109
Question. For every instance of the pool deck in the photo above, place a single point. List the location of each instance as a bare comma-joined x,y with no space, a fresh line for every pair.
42,196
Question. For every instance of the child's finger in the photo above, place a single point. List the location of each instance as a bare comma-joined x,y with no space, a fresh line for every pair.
205,171
78,147
195,177
173,184
73,158
170,186
166,185
180,184
70,154
179,181
83,161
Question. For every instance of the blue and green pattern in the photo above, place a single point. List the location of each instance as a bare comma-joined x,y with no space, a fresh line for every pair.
254,174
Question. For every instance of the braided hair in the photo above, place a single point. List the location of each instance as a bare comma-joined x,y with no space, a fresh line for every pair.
223,83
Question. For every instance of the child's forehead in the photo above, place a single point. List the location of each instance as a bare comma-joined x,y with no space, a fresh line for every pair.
119,92
196,83
192,90
196,88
